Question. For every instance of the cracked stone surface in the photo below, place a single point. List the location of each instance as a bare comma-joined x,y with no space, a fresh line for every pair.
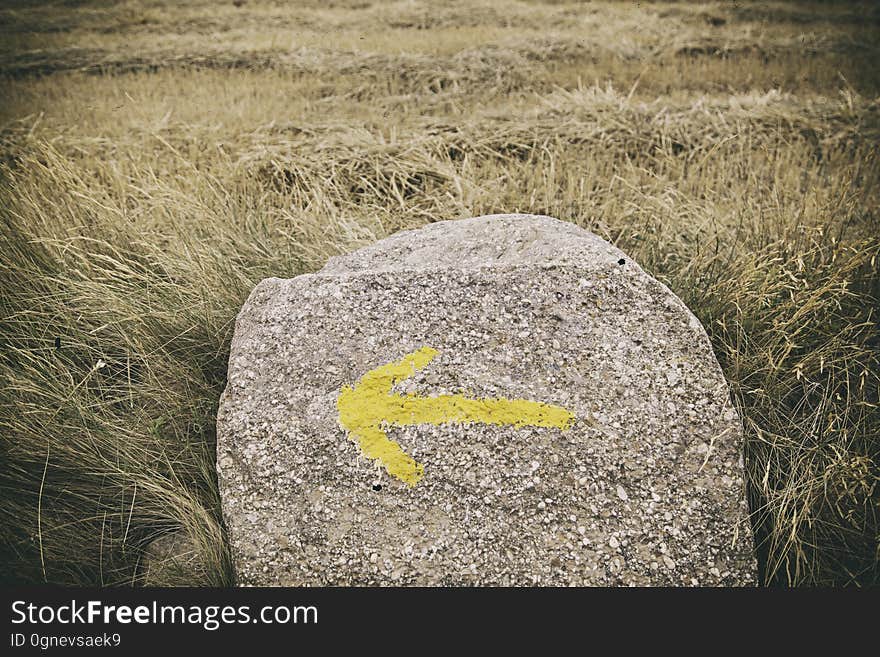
644,488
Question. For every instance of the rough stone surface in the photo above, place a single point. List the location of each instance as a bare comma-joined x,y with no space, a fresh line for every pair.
645,488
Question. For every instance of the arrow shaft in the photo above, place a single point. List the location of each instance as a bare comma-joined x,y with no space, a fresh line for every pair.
409,409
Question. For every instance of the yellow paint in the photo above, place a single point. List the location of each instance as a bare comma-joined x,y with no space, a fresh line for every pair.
368,406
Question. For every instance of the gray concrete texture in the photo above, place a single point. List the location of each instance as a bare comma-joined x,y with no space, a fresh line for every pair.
643,486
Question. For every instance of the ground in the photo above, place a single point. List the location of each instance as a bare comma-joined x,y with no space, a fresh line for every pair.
157,160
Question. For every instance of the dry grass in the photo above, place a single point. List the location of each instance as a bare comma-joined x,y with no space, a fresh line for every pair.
159,160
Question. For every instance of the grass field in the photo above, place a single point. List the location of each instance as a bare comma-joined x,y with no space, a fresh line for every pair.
158,159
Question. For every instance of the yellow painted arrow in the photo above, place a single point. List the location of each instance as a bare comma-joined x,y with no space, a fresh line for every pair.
368,406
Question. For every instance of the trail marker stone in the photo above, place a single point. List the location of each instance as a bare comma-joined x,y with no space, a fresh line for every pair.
504,400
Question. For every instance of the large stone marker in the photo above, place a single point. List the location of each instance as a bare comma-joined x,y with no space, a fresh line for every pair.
504,400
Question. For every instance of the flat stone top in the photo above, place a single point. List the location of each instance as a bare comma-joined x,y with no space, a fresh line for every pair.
491,241
643,486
